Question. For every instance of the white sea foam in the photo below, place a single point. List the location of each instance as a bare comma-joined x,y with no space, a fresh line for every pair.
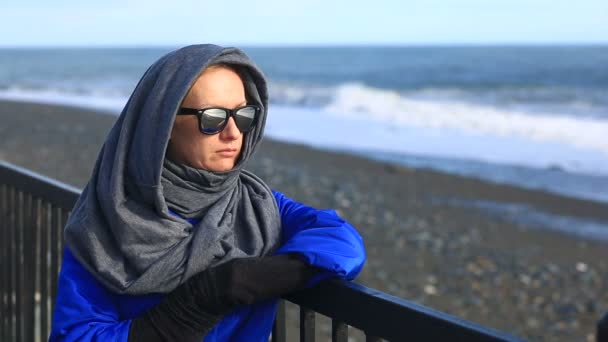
338,130
111,104
393,109
342,125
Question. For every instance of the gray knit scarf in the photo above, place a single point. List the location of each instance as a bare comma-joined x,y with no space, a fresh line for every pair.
121,229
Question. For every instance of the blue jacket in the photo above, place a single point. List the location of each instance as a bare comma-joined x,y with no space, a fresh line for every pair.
87,311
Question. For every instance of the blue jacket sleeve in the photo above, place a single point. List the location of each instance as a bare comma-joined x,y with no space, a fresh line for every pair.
322,238
84,309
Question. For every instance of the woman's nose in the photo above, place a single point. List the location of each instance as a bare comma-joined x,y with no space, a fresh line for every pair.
231,131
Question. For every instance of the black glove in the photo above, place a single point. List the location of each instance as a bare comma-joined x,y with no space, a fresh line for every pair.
193,308
250,280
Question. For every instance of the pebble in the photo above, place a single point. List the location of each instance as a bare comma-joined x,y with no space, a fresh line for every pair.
474,268
382,275
430,289
525,279
581,267
533,322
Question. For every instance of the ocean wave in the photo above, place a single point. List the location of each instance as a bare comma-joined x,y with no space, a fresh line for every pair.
428,108
365,103
107,103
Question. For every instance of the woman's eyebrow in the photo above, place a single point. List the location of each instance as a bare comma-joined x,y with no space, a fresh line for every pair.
203,105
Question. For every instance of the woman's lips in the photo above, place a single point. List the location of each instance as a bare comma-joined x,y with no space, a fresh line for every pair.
228,152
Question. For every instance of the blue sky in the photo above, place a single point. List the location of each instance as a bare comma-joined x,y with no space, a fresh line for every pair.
311,22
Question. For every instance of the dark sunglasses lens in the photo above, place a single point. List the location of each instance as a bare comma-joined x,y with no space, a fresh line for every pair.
213,120
245,118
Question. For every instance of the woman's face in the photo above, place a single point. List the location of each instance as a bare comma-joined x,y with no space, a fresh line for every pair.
216,86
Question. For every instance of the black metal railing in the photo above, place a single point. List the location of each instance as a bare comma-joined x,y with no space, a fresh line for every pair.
34,208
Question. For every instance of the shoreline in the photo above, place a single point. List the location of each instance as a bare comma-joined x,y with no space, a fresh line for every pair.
510,276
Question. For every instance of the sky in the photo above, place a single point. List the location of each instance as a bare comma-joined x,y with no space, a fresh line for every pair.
310,22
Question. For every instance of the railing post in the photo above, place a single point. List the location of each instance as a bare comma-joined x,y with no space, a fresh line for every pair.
602,329
4,263
279,332
339,331
11,281
55,226
19,265
307,325
44,271
29,268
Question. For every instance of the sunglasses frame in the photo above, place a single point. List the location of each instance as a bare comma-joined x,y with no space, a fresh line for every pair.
231,113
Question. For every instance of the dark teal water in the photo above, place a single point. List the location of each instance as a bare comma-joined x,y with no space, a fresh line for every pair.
567,80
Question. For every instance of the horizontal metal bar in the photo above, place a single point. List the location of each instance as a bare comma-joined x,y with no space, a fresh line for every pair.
58,193
370,338
389,317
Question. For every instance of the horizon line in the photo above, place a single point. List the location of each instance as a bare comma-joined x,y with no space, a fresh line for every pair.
322,45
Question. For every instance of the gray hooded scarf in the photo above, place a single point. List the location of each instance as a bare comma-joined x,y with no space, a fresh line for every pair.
121,229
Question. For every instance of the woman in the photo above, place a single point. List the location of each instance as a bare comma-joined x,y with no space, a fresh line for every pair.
172,239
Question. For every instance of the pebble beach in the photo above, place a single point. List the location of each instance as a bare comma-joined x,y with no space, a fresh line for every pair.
422,243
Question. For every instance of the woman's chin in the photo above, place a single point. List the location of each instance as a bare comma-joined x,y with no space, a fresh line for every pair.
220,166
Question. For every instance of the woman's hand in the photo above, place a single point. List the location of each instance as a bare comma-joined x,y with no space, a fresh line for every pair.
249,280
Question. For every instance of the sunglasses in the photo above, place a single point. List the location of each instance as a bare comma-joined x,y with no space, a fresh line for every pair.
213,120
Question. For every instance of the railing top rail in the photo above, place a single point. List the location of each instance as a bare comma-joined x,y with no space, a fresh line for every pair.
389,317
59,193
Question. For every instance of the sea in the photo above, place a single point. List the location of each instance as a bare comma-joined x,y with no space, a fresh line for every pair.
531,116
